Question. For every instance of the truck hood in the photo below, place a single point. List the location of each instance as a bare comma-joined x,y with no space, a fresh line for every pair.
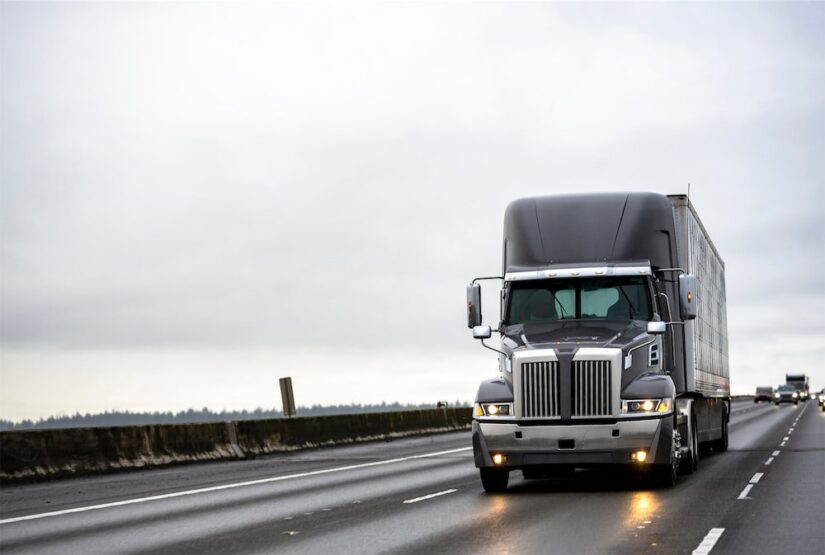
574,334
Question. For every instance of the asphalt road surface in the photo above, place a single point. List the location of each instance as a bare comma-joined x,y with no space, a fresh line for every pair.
422,495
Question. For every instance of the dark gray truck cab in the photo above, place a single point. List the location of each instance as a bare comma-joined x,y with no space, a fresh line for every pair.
613,339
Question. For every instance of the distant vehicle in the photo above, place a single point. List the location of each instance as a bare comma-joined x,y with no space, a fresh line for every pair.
786,394
800,382
612,351
820,398
763,394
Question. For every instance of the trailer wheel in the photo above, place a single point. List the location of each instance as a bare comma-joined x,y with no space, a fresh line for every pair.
494,480
690,464
721,445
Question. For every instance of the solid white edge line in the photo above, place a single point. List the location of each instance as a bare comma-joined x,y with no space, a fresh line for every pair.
227,486
745,492
709,541
756,478
430,496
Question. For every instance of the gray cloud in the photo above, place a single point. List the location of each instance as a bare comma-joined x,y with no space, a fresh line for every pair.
286,176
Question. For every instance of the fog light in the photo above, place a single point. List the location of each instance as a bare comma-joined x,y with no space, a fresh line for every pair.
498,458
639,456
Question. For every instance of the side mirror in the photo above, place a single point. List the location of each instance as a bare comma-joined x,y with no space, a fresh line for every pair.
473,306
688,296
482,332
656,328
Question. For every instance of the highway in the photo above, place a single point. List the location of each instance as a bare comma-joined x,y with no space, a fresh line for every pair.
422,495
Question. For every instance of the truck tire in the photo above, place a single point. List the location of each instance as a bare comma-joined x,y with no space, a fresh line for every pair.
721,445
690,464
666,475
494,480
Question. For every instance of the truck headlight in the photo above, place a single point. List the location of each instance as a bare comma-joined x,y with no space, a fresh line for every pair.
795,395
776,395
645,407
494,410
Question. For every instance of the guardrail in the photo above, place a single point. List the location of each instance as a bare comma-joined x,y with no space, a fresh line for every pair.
38,454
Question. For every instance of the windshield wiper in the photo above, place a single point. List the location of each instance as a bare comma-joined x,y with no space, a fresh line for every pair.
558,302
632,306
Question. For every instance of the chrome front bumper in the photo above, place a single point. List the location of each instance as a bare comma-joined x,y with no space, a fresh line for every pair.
573,444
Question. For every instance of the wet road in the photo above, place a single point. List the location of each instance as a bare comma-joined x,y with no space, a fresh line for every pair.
765,495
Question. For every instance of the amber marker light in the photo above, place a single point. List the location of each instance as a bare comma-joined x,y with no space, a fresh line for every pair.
690,296
498,458
639,456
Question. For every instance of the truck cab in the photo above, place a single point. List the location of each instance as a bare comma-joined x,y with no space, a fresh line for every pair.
595,367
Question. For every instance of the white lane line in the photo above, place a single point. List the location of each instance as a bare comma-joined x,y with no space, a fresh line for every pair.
425,497
745,492
786,438
782,444
756,478
710,540
228,486
775,453
769,461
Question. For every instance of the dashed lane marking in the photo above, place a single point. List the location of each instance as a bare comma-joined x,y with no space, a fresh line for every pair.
775,453
756,478
430,496
710,540
745,492
769,461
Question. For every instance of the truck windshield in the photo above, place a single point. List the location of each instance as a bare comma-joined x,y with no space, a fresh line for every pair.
624,298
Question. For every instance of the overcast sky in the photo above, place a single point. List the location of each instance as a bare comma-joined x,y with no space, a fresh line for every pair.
200,198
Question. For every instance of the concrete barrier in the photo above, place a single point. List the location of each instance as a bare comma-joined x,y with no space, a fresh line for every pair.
38,454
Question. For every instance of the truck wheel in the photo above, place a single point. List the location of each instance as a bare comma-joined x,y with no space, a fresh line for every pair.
690,464
795,403
494,480
666,475
721,445
756,400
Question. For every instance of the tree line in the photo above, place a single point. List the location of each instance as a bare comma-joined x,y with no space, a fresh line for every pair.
191,416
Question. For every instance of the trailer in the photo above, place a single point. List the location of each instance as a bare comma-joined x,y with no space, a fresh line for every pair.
613,346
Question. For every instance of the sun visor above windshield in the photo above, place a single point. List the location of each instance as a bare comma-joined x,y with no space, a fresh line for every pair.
559,272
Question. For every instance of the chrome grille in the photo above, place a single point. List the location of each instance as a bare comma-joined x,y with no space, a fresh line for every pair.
591,388
540,389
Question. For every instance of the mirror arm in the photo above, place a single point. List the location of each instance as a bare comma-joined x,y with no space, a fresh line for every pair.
484,278
492,348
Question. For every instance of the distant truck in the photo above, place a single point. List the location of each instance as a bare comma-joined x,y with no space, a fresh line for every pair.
763,393
614,347
800,382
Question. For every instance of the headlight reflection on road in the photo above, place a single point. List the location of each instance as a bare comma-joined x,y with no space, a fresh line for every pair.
643,509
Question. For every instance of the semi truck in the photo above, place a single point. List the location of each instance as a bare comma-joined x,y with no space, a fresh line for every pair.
613,340
800,382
